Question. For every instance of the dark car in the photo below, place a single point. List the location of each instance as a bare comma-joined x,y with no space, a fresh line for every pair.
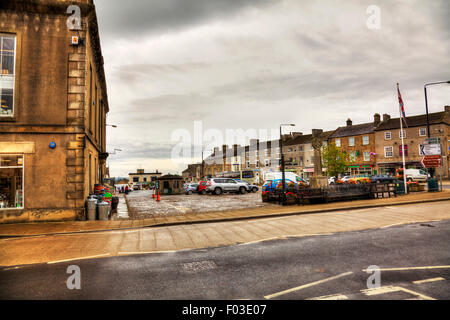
382,179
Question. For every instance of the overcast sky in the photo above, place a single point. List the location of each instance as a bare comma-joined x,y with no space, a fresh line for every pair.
253,64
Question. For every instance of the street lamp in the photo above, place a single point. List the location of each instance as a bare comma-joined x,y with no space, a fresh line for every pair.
283,176
426,108
426,103
115,151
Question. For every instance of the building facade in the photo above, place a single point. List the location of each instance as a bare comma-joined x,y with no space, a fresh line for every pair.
53,110
193,173
388,140
358,142
141,177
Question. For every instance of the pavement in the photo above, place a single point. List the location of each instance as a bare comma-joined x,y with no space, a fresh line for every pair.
123,223
62,248
413,262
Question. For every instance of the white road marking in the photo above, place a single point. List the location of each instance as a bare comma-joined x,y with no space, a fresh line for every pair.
412,268
270,296
428,280
337,296
390,289
80,258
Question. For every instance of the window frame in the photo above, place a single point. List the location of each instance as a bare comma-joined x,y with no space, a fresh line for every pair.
15,37
400,132
365,143
351,139
23,178
420,132
367,159
388,133
385,149
337,142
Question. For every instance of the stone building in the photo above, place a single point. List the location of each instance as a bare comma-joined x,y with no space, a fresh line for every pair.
170,184
193,173
141,177
299,153
358,142
53,109
388,141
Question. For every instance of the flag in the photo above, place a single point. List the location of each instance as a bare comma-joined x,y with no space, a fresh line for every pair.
402,107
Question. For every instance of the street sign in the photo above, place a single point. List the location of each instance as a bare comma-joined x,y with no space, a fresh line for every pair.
435,140
431,161
430,149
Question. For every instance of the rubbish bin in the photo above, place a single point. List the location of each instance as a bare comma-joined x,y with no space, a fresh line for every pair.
91,208
433,185
103,210
115,202
400,187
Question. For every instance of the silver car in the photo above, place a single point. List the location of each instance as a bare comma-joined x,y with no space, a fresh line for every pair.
221,185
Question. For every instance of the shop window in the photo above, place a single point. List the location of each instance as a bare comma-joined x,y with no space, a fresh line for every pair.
11,181
7,66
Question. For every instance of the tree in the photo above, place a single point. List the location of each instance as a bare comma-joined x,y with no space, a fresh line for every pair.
335,160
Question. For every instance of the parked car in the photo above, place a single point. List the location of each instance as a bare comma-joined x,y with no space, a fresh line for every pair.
190,188
201,189
382,179
417,175
331,180
271,185
252,188
221,185
344,179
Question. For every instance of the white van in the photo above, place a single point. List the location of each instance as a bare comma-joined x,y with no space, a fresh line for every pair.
416,175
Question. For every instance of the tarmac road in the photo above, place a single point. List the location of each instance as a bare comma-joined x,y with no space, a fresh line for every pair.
321,267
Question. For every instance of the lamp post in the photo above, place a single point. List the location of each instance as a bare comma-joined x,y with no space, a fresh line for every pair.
426,109
283,176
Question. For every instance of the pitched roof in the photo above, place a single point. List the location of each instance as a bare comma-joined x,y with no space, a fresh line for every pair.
353,130
415,121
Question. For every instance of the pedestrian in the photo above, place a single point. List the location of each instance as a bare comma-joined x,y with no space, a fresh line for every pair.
126,190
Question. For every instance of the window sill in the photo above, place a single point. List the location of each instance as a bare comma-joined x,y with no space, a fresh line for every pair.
8,119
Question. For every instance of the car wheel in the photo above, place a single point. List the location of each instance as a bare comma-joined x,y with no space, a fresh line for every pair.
242,190
217,191
255,190
190,192
203,192
409,179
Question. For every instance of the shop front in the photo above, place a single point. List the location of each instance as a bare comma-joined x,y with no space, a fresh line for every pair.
11,181
390,168
363,169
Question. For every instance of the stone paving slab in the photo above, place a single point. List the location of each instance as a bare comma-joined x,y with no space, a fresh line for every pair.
46,228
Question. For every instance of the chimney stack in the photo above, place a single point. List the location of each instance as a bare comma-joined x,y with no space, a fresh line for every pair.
386,117
349,122
376,119
447,109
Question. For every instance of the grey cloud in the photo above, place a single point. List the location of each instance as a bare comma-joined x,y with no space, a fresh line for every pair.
121,18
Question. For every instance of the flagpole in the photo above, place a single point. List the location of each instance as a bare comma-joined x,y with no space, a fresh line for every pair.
403,144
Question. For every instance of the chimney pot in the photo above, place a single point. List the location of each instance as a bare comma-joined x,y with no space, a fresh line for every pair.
376,119
349,122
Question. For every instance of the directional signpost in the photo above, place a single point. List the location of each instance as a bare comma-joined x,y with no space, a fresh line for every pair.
433,161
